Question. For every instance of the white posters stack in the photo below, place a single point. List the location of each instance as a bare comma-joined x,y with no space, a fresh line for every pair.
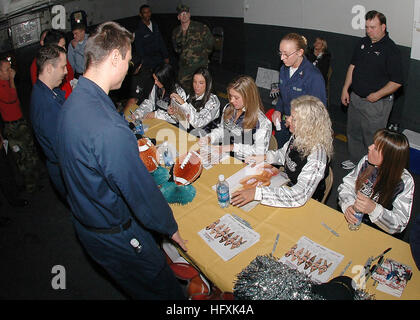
312,259
228,236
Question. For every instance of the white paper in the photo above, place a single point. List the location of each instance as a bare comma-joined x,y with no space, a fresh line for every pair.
305,256
238,237
265,77
392,277
235,182
415,42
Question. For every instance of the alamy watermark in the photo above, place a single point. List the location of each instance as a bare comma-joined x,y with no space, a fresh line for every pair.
58,281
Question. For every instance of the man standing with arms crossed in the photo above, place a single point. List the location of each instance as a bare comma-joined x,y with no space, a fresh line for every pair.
114,200
374,74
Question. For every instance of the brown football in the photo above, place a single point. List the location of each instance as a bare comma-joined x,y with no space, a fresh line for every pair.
148,153
187,168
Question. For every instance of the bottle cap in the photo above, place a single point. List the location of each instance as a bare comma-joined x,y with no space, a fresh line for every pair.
221,177
134,242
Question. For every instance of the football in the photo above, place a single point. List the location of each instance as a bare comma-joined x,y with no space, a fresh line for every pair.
148,154
187,168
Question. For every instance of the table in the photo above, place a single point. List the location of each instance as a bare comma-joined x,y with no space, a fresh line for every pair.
290,223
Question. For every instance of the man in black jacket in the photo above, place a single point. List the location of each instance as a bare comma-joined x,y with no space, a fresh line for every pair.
150,52
148,43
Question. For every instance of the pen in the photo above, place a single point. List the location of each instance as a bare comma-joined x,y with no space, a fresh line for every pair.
275,244
387,250
345,268
331,230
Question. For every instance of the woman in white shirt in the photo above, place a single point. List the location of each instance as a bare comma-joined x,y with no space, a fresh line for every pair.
244,129
200,108
305,158
159,101
389,206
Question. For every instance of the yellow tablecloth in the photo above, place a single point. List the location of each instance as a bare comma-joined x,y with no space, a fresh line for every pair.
290,224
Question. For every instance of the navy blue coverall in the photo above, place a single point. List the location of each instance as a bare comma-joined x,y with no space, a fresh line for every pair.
45,108
109,186
307,80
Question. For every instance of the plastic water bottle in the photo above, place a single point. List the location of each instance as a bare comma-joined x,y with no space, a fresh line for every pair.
356,226
366,189
139,127
167,155
222,189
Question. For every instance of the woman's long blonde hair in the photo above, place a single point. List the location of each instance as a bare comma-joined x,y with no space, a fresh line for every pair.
248,90
312,125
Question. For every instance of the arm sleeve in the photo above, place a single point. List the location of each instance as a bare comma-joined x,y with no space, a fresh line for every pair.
307,182
279,105
33,70
134,182
70,71
396,220
70,56
207,114
176,40
163,115
209,39
277,156
394,66
317,87
148,105
346,190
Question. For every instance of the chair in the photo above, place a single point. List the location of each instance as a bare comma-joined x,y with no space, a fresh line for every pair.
218,35
272,145
328,185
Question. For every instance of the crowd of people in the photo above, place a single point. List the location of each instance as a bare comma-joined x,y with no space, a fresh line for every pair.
92,154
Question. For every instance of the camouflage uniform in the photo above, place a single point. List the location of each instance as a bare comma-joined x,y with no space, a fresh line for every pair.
194,48
21,143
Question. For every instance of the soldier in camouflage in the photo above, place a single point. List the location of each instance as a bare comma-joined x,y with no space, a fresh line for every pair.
193,42
17,130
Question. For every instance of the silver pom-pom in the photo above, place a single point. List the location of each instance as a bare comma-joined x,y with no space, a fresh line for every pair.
265,278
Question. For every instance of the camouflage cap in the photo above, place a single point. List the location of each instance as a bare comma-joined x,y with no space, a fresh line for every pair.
182,7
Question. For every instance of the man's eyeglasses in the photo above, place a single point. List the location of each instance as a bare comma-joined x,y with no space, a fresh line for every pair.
281,54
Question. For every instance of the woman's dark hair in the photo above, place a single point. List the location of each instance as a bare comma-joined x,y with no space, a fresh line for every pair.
198,105
53,36
395,151
167,77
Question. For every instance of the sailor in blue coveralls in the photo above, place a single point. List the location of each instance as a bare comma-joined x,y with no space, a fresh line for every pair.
298,77
112,196
46,101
